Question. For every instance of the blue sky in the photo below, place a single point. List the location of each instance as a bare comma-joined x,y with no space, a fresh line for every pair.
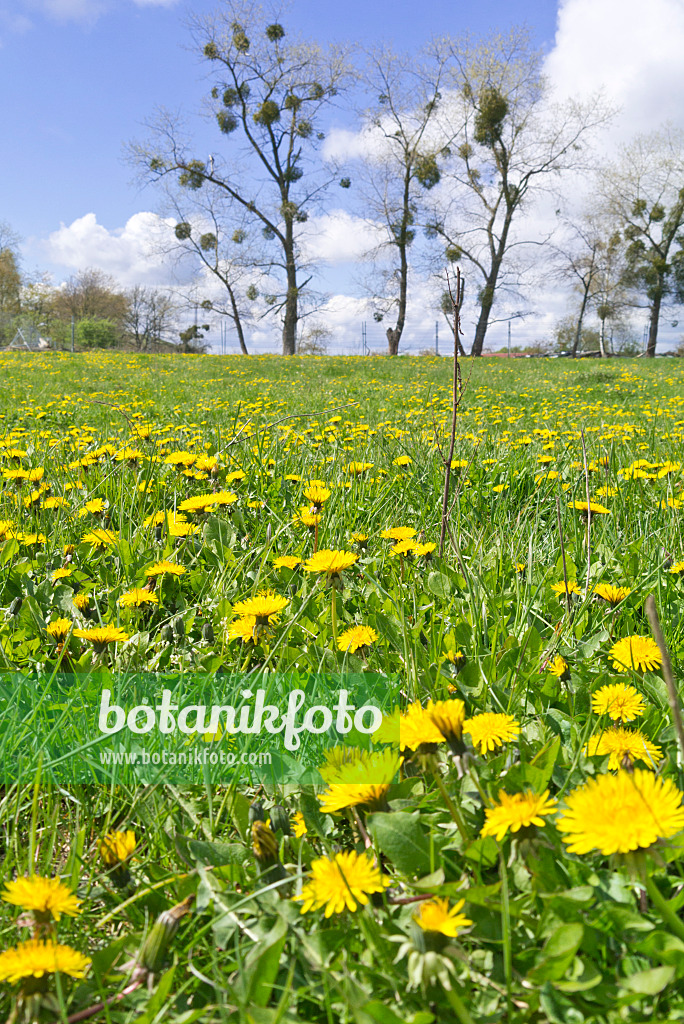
84,76
82,86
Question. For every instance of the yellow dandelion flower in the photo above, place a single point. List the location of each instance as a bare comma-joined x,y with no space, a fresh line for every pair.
263,607
344,880
95,507
619,701
435,916
100,538
243,629
399,533
341,795
403,547
46,897
490,730
677,569
624,747
423,550
611,594
592,506
330,563
137,597
356,637
637,652
286,562
61,574
521,810
299,825
620,813
560,589
117,847
39,957
557,667
448,716
317,494
164,567
355,767
416,727
101,635
58,628
403,461
307,518
81,601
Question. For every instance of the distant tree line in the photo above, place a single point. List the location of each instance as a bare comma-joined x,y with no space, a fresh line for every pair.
90,306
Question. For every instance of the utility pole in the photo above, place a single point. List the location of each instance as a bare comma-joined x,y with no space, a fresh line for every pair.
436,337
73,332
364,339
509,339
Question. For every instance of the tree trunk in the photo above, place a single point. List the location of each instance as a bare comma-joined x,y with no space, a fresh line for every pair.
485,309
602,339
291,312
580,321
394,333
393,339
238,322
653,325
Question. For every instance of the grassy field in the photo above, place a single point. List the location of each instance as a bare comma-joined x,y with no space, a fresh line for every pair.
506,848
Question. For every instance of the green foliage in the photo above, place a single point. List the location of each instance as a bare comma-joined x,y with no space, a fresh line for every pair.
92,333
226,121
275,32
267,113
427,170
492,108
193,175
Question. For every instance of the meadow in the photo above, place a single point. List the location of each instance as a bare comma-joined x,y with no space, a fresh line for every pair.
507,847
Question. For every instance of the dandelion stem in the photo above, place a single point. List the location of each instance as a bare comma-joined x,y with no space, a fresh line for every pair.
506,932
663,907
333,618
562,547
672,696
586,478
459,1007
460,824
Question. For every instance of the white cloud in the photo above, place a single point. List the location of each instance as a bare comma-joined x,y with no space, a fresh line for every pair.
339,237
631,50
130,254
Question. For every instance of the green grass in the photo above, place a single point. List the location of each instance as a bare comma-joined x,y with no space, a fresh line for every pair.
555,936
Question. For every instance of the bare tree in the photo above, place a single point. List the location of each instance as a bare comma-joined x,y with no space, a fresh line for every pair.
644,190
402,143
270,95
511,142
90,293
149,316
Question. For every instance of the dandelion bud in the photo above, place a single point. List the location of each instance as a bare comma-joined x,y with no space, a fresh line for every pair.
156,944
256,812
265,848
167,634
280,820
208,632
15,606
